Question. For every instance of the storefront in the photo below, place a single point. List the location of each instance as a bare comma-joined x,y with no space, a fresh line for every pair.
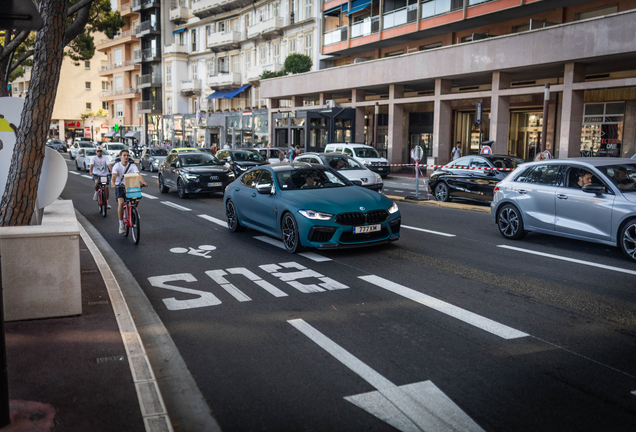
246,129
312,130
602,132
525,133
470,134
153,130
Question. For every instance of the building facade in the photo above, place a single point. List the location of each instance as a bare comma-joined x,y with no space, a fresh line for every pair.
437,72
213,56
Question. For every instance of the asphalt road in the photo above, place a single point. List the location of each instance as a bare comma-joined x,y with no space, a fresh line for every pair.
451,325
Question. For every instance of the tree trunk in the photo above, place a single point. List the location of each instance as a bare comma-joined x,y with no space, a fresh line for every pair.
20,194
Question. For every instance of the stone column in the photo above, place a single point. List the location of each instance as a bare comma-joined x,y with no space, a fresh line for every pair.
61,131
323,98
499,113
571,112
273,105
358,96
442,123
297,101
396,125
628,147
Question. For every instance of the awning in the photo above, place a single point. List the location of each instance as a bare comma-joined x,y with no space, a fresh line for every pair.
333,12
178,31
110,134
227,94
359,5
133,134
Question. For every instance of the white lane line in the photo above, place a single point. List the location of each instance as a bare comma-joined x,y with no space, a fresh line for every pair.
468,317
429,231
279,244
145,195
74,172
414,407
177,206
154,176
398,190
634,392
87,176
214,220
587,263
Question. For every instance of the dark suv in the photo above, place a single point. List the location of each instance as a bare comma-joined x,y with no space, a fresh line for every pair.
193,172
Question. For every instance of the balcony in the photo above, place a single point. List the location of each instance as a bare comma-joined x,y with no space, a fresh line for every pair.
254,72
149,107
179,15
147,28
206,8
149,80
224,80
128,65
125,9
175,48
150,55
365,28
129,93
439,7
191,87
138,5
266,28
335,36
224,41
399,17
120,38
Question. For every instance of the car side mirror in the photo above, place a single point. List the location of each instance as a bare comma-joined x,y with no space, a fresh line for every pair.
264,189
595,189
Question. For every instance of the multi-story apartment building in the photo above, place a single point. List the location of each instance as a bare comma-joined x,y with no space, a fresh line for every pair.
213,58
417,72
121,72
78,93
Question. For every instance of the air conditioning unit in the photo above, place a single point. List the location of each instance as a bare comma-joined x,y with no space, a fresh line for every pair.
331,103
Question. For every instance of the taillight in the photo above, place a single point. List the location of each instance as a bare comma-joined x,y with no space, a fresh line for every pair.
495,190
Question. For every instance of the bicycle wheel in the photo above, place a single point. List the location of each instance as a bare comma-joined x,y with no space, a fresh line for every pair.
136,228
126,221
102,203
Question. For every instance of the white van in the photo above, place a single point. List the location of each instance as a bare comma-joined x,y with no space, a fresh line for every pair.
365,154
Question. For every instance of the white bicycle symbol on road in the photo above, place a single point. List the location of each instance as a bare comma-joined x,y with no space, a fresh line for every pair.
202,251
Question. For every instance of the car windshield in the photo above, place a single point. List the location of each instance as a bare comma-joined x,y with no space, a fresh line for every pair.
247,156
622,175
57,142
198,159
309,178
273,153
85,145
89,152
159,152
342,163
505,162
365,152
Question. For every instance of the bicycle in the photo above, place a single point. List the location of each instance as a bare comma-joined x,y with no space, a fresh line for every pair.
131,214
101,195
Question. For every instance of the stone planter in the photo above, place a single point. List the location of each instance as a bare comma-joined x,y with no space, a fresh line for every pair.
41,266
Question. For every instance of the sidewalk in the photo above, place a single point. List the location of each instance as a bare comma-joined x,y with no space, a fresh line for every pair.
74,371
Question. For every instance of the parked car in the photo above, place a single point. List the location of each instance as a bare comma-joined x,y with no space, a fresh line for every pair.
193,172
471,177
72,153
56,145
240,160
152,157
184,149
270,154
310,205
115,147
83,159
353,170
592,199
365,154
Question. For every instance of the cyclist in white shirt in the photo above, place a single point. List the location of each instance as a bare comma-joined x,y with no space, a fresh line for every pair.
99,168
117,181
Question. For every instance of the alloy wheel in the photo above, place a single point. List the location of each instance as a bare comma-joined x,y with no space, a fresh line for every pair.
441,192
290,233
510,223
628,239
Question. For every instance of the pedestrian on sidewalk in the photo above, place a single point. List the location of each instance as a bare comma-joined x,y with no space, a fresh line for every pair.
456,153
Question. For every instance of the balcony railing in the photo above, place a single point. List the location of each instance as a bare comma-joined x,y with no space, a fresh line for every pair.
218,40
365,28
148,79
146,26
223,79
117,36
191,86
117,65
335,36
149,53
175,48
266,27
400,17
178,13
119,92
149,106
439,7
125,6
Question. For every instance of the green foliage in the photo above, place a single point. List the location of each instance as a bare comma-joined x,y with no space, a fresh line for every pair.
269,74
297,63
81,48
87,115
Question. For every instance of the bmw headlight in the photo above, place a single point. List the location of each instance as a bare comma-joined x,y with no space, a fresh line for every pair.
230,175
191,176
378,178
310,214
393,208
242,168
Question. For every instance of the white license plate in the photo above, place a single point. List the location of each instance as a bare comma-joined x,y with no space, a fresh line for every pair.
215,184
366,229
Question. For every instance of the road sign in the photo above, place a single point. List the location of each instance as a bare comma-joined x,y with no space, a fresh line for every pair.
418,153
485,150
478,113
544,155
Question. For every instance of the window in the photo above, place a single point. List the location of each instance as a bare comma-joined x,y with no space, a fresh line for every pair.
210,68
251,178
104,85
276,12
263,55
118,83
87,85
478,163
430,46
235,64
394,53
543,174
119,109
89,106
248,59
195,70
118,57
169,105
208,32
596,12
193,36
169,74
308,41
602,130
292,46
308,9
222,27
87,64
105,106
277,54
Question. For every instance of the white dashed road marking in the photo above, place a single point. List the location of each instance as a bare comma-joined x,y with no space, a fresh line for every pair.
87,176
74,172
177,206
468,317
145,195
429,231
214,220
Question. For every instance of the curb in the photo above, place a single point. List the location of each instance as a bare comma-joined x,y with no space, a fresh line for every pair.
451,205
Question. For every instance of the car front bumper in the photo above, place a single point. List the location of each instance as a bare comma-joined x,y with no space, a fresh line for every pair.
331,235
380,169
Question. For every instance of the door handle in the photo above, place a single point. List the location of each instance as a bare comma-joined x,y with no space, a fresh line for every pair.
522,191
561,196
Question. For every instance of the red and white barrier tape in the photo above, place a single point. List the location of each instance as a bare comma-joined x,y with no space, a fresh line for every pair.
443,166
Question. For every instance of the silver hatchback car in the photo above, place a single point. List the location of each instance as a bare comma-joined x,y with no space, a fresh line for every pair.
592,199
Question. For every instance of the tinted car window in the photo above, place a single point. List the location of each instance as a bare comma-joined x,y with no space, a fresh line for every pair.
198,159
479,163
348,151
460,163
364,152
266,178
505,162
543,174
170,159
309,178
250,179
623,176
159,152
85,144
247,156
341,163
